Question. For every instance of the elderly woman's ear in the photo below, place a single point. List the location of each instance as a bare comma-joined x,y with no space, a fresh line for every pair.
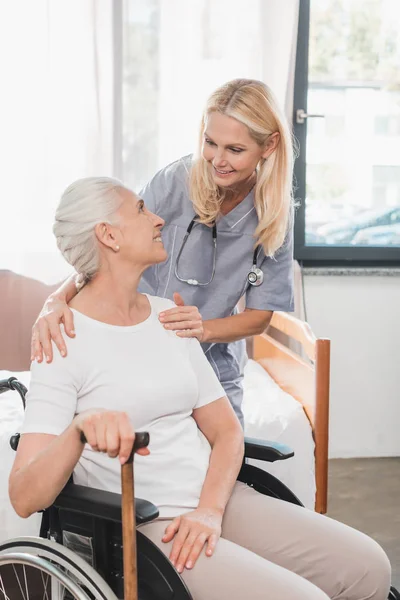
107,235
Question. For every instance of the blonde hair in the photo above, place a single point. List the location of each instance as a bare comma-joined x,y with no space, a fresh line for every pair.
252,103
84,204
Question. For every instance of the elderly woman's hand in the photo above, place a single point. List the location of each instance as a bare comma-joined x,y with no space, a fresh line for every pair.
185,320
108,431
47,328
192,531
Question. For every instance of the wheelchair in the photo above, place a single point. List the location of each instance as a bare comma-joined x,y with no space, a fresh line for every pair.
78,555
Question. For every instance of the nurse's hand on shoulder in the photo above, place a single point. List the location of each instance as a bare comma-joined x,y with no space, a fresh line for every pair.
192,531
47,328
185,320
108,431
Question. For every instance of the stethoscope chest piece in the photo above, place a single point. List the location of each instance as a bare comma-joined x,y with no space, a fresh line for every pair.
255,277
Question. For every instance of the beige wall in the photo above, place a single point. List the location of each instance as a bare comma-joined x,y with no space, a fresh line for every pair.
361,315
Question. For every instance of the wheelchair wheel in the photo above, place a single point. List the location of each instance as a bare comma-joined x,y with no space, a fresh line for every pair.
394,594
36,569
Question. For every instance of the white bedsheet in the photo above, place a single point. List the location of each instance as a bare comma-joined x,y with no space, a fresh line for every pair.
270,414
11,415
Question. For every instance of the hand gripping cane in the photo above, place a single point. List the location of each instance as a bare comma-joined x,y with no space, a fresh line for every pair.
129,518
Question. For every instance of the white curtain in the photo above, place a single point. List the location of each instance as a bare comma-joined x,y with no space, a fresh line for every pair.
56,120
204,43
60,97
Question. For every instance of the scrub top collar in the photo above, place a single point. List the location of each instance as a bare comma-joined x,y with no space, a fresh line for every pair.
237,215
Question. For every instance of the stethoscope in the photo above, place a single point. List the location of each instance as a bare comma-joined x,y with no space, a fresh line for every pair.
254,277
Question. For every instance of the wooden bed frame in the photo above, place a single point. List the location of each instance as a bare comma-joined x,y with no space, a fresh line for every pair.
305,376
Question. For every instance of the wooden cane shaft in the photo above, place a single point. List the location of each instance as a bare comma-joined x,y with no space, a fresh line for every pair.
129,532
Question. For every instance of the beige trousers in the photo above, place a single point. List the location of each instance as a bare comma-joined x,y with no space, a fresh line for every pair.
273,550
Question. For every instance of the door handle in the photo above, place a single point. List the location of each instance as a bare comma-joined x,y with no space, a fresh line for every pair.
301,116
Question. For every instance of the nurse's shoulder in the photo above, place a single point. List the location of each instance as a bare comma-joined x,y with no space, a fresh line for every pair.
167,193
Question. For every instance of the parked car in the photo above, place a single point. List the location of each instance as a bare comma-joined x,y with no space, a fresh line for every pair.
344,230
386,235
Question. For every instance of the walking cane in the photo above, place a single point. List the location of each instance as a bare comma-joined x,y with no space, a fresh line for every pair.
129,520
142,439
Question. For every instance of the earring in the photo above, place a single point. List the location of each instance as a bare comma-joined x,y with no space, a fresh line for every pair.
116,248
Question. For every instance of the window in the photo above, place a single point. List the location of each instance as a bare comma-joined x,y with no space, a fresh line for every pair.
348,173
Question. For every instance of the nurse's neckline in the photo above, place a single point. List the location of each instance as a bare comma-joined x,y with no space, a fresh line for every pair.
228,205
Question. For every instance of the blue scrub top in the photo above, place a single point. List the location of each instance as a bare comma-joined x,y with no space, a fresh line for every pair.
167,195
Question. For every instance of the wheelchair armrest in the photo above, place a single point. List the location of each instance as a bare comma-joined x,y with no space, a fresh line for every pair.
264,450
103,504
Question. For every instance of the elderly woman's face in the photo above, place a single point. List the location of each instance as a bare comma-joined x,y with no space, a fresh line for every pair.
140,232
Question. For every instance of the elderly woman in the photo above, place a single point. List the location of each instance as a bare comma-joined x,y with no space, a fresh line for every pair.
124,372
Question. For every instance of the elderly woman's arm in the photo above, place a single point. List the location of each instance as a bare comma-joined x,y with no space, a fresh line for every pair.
221,427
41,469
45,462
195,529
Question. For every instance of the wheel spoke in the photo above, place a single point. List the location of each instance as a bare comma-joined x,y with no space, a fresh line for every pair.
26,583
19,583
3,591
45,582
60,570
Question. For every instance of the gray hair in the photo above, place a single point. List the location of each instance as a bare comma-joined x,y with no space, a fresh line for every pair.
84,204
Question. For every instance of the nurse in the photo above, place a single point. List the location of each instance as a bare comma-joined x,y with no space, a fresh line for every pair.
228,211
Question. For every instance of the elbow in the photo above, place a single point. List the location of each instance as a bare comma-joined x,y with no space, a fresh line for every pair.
263,326
22,511
261,329
260,320
20,506
20,501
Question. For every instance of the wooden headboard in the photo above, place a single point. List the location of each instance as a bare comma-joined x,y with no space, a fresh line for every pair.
21,299
305,376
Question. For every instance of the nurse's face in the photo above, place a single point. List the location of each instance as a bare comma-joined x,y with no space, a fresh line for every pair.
231,152
139,233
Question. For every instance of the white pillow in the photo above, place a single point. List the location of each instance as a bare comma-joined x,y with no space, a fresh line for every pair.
272,414
11,416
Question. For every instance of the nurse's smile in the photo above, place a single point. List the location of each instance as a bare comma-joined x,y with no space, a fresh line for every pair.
221,173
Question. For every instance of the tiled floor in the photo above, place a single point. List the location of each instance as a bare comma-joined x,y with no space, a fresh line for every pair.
365,493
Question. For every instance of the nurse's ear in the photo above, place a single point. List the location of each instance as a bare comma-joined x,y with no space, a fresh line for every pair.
107,235
272,144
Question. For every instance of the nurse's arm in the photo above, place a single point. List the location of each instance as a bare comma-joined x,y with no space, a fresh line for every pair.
219,424
236,327
47,325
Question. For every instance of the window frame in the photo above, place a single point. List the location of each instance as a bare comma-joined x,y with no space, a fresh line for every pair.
323,255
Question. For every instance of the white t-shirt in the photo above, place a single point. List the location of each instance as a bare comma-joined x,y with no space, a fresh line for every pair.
154,376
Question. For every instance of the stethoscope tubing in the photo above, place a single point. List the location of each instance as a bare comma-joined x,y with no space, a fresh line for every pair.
214,237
